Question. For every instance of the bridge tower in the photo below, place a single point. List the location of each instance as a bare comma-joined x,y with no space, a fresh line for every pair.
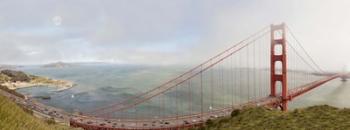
345,77
279,55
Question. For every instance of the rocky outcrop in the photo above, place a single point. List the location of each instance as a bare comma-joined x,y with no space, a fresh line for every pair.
16,76
17,79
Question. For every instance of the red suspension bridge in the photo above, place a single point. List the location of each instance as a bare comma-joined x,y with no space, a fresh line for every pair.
269,68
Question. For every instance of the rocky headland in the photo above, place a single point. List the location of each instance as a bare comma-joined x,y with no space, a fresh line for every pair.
17,79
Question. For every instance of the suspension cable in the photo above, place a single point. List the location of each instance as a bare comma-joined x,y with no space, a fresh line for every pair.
307,54
261,31
302,58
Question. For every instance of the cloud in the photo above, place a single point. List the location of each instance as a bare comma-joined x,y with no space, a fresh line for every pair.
91,29
162,32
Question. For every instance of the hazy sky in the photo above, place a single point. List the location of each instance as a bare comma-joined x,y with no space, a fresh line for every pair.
163,31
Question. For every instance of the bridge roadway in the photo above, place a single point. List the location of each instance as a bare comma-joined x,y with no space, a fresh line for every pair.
163,123
61,116
177,122
95,123
307,87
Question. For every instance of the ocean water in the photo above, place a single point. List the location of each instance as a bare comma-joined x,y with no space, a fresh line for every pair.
101,84
97,85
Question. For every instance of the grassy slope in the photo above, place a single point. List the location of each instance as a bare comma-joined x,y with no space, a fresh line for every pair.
312,118
12,117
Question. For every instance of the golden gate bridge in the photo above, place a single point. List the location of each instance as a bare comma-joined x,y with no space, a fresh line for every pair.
269,68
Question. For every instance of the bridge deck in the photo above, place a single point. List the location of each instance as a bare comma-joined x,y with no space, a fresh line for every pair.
163,123
188,120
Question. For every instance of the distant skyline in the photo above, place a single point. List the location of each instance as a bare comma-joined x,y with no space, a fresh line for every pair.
163,32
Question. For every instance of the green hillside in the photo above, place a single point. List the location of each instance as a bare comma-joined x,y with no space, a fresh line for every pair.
12,117
312,118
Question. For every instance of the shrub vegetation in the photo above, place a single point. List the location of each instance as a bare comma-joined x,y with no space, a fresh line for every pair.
312,118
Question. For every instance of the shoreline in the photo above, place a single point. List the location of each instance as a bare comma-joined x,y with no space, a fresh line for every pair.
60,85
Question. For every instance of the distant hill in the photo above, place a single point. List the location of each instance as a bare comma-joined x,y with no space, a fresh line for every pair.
12,117
4,67
311,118
58,65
